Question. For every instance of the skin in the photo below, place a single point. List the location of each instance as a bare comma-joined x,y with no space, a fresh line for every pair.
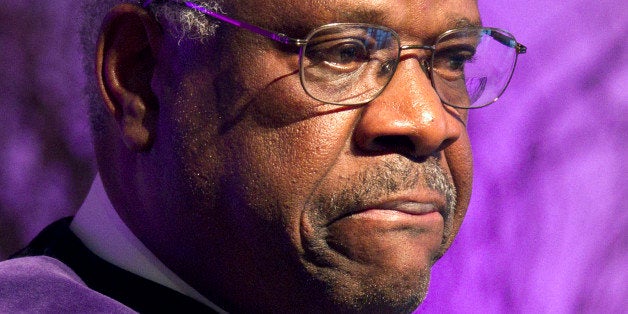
264,199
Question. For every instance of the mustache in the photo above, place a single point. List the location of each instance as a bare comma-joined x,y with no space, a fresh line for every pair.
389,177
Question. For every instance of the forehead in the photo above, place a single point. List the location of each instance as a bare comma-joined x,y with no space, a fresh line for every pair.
298,17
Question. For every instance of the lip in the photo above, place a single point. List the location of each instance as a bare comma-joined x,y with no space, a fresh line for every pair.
409,207
404,207
399,212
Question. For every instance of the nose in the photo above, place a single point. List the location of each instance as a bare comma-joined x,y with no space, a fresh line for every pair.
408,118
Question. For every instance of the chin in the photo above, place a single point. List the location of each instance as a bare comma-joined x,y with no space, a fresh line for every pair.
395,292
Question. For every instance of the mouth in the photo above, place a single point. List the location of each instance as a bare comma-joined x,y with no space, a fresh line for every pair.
392,228
403,230
405,210
401,216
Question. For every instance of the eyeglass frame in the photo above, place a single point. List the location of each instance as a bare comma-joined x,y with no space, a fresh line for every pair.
508,40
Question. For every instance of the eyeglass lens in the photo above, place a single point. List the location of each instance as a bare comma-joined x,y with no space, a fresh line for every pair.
350,64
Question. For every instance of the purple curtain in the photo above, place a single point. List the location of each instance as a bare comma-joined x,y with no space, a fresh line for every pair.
45,152
547,228
546,231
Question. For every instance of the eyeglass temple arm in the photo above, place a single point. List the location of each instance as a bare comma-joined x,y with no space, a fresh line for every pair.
252,28
506,40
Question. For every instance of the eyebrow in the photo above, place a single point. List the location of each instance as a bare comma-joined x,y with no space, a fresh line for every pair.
378,16
361,15
354,15
461,22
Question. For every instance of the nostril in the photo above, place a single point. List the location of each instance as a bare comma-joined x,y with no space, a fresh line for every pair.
394,143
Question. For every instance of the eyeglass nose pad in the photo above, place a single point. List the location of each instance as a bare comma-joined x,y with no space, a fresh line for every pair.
427,69
389,67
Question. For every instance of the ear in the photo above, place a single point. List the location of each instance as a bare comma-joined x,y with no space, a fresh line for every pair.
126,56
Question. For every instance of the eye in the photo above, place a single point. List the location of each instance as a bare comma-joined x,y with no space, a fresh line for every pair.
342,54
457,61
450,62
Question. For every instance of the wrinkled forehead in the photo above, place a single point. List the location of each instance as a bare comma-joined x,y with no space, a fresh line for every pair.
298,17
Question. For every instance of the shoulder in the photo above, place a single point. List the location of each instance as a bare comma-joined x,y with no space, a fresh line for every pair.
44,284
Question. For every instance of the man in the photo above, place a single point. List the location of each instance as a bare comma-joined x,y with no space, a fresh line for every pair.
244,170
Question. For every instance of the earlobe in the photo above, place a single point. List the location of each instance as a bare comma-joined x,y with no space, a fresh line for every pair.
125,61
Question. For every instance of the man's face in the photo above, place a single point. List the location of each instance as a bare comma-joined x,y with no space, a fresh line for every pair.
278,200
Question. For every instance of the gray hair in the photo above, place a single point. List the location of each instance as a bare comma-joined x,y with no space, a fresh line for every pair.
180,21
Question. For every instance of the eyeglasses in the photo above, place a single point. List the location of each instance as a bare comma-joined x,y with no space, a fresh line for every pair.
352,63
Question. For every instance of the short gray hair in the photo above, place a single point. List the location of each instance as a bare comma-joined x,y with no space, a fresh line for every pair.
184,22
180,21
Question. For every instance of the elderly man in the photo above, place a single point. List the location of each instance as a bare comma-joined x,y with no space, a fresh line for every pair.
244,170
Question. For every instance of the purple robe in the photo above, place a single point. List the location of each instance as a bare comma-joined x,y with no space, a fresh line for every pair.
56,273
41,284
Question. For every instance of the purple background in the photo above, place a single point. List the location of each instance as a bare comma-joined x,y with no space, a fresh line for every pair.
547,227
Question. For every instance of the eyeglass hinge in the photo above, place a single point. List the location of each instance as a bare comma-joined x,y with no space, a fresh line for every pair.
283,38
292,41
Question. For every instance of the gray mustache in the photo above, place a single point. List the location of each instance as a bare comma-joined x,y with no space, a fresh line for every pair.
389,177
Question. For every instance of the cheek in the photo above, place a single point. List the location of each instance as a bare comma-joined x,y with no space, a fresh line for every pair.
280,146
460,164
281,140
284,164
